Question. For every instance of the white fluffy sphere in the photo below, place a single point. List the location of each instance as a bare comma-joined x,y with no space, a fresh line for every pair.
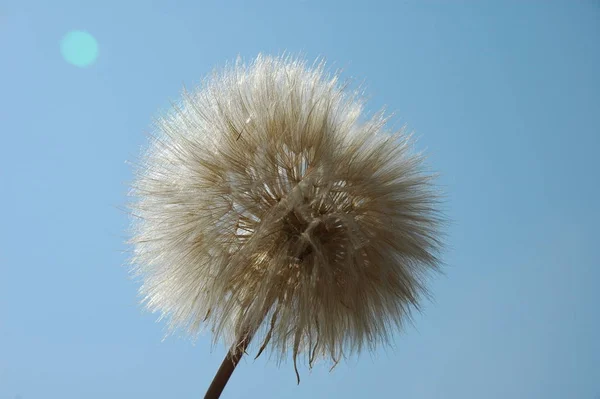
266,205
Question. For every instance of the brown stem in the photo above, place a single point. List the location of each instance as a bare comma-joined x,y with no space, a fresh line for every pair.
229,363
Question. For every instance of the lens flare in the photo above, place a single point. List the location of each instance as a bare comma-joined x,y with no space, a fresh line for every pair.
79,48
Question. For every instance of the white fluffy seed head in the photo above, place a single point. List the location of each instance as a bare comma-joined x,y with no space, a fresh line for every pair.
265,203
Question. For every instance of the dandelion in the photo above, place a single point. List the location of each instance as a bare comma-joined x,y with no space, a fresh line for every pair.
269,208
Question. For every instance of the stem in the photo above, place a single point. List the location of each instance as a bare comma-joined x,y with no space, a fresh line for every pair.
227,367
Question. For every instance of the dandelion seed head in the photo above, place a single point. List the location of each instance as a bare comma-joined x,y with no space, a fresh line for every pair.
267,202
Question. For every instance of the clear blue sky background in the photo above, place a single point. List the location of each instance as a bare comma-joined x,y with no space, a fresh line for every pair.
505,98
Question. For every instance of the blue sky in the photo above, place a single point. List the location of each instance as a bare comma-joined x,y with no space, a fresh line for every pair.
504,97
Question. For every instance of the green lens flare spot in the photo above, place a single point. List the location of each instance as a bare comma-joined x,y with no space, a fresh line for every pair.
79,48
